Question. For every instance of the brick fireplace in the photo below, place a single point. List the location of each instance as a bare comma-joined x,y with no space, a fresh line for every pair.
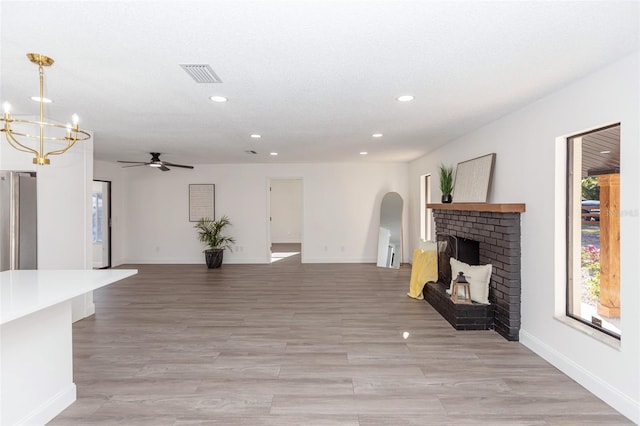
497,229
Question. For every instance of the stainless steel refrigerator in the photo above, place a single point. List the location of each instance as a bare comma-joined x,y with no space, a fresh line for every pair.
18,221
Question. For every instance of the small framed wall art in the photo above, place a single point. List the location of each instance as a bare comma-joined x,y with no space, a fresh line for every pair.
202,201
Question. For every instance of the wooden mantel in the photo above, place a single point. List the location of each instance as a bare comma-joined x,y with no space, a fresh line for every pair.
481,207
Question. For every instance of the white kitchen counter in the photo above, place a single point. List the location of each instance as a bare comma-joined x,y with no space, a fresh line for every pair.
25,292
36,375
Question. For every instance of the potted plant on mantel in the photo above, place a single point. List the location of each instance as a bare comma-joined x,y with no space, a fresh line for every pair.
210,234
446,183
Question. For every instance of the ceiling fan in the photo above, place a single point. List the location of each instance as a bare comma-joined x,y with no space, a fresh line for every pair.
155,162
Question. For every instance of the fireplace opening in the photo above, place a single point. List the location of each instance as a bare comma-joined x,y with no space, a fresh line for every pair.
463,249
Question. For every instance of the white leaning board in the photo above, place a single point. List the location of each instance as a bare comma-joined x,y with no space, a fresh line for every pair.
473,180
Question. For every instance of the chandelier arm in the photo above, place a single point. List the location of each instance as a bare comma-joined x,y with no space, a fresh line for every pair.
61,151
17,145
8,129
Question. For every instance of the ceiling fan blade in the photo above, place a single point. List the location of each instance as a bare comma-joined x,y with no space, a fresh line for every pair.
136,165
177,165
155,162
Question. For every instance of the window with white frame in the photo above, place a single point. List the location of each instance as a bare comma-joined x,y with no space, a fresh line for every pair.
426,215
593,229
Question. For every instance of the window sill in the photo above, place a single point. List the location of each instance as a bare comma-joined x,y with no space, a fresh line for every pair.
597,335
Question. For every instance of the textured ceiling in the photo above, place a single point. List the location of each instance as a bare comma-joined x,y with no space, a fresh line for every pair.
315,78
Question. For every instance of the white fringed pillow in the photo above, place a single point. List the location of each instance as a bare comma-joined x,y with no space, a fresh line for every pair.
478,276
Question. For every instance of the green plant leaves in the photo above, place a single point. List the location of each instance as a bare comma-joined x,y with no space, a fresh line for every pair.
210,233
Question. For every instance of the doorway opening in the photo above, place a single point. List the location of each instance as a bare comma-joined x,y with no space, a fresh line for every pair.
285,220
101,224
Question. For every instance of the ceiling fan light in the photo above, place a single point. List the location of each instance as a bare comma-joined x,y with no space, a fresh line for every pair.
155,165
405,98
38,98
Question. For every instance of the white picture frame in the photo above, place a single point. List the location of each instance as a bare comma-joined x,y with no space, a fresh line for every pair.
202,201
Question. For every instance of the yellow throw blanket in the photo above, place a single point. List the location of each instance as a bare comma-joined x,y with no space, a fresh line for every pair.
424,268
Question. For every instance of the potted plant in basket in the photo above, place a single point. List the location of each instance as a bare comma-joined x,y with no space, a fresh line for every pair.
446,183
210,234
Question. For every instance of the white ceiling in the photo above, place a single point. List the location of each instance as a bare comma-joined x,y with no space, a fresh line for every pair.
315,78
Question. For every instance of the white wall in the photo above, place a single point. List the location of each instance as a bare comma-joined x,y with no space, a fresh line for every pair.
526,171
64,210
341,208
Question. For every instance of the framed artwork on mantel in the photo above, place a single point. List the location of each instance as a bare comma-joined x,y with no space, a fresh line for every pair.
473,179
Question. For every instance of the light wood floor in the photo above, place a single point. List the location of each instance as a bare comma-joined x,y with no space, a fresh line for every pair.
302,344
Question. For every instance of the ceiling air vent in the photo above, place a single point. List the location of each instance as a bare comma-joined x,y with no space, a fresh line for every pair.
201,73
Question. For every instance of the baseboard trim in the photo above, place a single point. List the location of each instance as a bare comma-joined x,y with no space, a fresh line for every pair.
191,262
337,260
618,400
51,408
248,261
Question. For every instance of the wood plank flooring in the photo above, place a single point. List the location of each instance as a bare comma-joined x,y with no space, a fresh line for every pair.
302,344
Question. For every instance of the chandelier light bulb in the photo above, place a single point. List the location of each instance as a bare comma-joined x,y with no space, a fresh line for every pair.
6,107
75,119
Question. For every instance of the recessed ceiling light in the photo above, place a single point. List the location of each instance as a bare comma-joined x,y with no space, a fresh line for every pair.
256,136
363,153
218,99
44,100
405,98
273,153
376,135
605,152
